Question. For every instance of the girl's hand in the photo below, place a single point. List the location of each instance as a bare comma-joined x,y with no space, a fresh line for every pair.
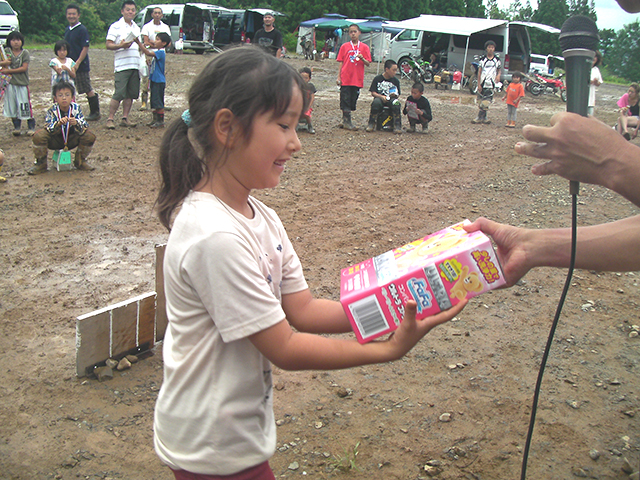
512,247
411,331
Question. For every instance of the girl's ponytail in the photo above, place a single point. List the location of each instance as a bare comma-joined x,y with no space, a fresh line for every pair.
180,167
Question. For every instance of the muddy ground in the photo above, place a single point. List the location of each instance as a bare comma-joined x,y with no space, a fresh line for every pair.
72,242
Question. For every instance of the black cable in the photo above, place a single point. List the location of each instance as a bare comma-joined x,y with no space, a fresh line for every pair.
545,356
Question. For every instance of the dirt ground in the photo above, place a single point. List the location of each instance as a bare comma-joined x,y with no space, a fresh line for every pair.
72,242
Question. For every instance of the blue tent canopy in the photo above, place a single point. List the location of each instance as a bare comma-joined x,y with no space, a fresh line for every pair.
327,17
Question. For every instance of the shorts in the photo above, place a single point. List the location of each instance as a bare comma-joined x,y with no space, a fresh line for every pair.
83,82
348,97
127,84
157,95
17,102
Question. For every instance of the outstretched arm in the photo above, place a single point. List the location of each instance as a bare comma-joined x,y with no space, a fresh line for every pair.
606,247
291,350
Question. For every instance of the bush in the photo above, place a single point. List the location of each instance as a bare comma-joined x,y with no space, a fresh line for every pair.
290,41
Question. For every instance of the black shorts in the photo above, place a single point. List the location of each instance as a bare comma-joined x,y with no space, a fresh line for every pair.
348,97
83,82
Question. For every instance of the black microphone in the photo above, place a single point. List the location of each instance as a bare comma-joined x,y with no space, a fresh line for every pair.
578,40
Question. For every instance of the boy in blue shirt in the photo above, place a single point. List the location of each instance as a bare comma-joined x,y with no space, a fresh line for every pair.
157,79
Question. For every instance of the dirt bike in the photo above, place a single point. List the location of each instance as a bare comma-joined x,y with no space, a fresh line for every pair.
307,48
471,79
415,69
544,84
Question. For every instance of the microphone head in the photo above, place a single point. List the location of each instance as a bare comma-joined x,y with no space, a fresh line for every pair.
579,32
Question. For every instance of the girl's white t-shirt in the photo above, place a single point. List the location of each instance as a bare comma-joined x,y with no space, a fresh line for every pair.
224,279
55,78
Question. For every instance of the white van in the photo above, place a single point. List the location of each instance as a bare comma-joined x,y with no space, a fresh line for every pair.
193,22
450,38
8,20
539,64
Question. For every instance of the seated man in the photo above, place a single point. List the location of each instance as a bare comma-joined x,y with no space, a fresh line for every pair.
385,90
65,128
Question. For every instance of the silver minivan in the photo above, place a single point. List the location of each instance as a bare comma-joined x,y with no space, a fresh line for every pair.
8,20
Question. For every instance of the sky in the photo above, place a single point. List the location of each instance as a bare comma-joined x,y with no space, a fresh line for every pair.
610,15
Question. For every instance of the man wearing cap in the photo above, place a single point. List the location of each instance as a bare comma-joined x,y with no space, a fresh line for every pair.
268,37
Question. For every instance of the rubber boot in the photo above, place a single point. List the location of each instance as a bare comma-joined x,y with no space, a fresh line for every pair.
346,120
31,127
17,125
397,123
153,120
373,120
159,121
39,166
145,97
94,109
80,159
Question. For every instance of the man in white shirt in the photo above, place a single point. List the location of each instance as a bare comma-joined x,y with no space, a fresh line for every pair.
121,39
149,32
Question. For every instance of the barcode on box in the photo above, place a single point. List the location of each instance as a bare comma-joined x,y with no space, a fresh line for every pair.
368,316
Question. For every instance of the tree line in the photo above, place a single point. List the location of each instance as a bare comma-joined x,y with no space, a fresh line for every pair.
44,21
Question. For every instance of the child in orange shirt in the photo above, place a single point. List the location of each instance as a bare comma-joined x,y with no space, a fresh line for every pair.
515,91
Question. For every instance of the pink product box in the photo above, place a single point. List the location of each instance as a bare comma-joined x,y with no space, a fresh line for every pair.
437,271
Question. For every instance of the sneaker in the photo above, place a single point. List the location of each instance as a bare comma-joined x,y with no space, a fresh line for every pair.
371,127
486,122
411,129
476,120
125,122
16,132
111,125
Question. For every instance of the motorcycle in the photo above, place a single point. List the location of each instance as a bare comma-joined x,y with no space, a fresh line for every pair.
542,84
471,79
415,69
307,48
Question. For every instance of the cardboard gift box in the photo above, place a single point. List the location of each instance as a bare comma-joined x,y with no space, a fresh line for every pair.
437,271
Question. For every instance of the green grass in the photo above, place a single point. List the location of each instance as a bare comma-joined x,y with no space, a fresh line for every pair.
347,461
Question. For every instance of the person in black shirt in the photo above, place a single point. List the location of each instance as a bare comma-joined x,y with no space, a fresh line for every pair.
269,37
78,37
417,109
385,90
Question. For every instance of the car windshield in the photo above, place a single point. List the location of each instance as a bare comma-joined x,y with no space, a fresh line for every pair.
5,9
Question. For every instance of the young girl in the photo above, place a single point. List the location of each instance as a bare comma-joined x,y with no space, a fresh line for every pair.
234,285
62,67
629,116
17,100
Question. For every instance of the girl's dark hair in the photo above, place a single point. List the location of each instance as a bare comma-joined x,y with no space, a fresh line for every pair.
61,44
598,58
245,80
13,35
